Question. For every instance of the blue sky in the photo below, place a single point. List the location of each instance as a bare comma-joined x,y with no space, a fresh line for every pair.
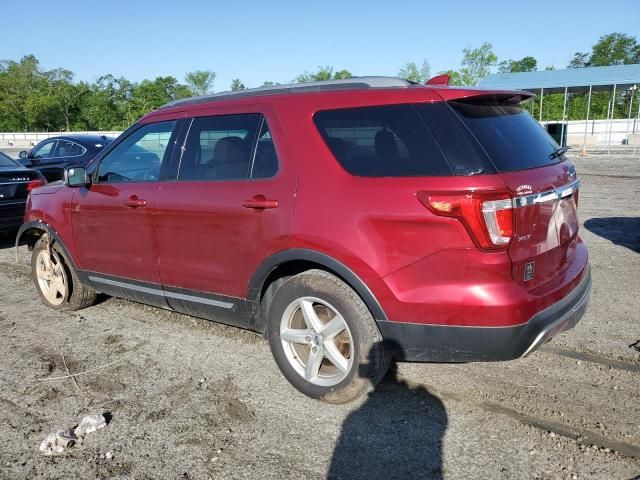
277,40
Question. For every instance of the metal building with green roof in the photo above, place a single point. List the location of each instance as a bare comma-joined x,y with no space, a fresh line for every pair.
613,79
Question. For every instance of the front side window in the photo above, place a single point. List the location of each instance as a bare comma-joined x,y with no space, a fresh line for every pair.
68,149
219,147
43,151
139,157
382,141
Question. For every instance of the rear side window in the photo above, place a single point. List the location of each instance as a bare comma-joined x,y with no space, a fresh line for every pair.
462,151
382,141
220,147
69,149
509,134
265,161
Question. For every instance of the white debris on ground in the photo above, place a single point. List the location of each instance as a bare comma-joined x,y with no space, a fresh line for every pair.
90,424
59,441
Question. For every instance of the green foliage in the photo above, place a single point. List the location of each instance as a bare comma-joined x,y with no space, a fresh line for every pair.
454,76
236,84
579,60
525,64
477,63
411,72
200,81
615,49
35,99
323,73
610,49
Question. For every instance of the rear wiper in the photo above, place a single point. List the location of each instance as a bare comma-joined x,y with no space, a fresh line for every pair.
559,152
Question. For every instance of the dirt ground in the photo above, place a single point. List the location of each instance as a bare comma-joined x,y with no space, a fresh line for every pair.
192,399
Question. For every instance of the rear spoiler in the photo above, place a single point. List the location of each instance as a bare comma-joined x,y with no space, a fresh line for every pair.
497,98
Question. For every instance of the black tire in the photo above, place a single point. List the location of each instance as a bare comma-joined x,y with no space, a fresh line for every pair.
77,295
370,358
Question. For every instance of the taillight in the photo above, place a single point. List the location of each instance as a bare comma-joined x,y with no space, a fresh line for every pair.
38,182
488,217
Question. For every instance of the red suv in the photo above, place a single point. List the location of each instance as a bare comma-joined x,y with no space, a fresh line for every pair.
348,221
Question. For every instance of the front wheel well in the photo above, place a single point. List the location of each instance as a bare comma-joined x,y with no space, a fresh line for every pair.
31,236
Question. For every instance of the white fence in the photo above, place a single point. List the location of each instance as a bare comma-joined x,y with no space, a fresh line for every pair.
27,139
601,132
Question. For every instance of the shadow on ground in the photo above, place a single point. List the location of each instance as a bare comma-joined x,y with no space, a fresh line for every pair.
623,231
396,433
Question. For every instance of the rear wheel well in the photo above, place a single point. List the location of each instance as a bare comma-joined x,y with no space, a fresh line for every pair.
284,271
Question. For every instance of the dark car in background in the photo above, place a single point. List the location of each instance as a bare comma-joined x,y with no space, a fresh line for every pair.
16,182
52,155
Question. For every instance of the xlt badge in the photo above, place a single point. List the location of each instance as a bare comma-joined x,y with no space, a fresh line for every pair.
529,271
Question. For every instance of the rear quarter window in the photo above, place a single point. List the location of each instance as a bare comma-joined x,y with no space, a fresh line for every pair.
382,141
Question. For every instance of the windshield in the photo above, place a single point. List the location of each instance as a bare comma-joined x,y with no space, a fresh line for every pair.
512,138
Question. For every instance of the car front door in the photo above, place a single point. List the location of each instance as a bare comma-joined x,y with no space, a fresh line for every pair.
229,210
113,219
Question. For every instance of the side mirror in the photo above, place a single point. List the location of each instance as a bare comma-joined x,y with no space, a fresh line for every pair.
75,177
23,155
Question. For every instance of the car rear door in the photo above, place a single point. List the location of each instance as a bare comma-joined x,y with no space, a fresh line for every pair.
66,152
113,219
229,210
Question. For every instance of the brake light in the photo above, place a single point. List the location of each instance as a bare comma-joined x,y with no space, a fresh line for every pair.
38,182
488,217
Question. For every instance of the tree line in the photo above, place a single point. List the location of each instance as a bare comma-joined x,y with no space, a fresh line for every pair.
33,99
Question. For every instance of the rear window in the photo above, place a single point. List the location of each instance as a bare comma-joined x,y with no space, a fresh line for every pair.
382,141
509,134
6,161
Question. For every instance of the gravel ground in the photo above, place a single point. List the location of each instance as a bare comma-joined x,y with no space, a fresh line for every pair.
192,399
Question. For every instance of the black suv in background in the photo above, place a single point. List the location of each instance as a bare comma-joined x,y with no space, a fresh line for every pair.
16,182
52,155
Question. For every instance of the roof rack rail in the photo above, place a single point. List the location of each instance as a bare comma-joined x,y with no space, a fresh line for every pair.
324,85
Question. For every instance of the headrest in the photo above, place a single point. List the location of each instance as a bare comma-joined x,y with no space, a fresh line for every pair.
385,144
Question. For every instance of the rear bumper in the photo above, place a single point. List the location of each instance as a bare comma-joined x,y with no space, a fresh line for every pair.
11,215
446,343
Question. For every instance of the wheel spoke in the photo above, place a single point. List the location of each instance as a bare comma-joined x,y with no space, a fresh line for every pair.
57,287
334,327
333,354
294,335
310,315
313,363
47,263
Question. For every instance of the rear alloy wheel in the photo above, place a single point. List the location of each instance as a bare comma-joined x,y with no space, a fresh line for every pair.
316,341
324,339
